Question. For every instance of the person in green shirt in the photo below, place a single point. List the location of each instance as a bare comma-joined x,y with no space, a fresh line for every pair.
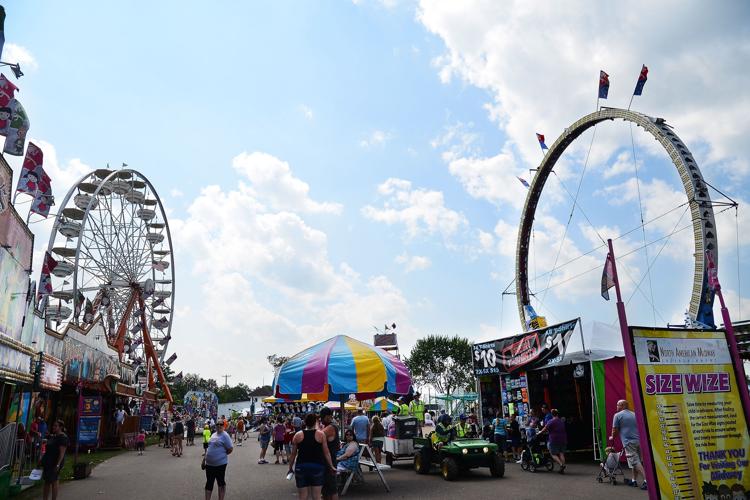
404,408
444,432
206,437
462,428
416,409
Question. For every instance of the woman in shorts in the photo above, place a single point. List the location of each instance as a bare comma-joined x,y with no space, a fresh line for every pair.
310,450
377,437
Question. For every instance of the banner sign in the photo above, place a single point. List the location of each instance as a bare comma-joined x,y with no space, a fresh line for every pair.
530,350
699,438
91,405
88,431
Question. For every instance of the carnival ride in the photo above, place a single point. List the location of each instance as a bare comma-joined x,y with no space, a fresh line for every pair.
699,204
112,242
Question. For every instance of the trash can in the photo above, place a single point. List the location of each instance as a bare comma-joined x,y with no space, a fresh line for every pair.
406,427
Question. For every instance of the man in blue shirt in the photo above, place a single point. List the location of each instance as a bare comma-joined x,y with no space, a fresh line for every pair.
361,426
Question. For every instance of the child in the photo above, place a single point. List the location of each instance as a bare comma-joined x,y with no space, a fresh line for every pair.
140,442
206,437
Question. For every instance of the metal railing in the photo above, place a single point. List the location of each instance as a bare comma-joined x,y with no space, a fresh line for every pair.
7,442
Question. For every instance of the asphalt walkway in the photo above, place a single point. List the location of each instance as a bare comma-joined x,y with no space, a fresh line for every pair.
158,475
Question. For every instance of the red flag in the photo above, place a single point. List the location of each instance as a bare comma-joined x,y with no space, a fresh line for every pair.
42,204
608,277
641,81
45,282
7,91
33,178
540,138
603,85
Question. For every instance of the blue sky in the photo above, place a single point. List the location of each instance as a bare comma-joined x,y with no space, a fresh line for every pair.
299,113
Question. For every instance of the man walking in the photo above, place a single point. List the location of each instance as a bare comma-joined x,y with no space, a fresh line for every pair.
625,426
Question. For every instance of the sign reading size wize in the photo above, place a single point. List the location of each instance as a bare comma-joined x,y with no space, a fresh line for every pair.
529,350
699,439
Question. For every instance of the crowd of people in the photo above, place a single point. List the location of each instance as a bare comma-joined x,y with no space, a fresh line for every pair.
311,443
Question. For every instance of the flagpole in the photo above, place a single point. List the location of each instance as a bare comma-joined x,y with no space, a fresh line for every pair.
739,370
36,193
640,414
631,101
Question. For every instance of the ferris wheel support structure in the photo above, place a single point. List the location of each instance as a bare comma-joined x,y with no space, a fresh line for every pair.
701,207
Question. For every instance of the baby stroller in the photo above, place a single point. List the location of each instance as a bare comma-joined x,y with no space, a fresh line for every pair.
535,455
610,467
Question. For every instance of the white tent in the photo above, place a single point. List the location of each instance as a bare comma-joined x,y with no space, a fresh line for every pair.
601,341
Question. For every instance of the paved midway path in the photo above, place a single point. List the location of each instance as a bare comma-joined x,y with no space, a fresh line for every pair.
158,475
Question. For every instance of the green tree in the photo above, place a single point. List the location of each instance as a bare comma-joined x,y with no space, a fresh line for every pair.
442,361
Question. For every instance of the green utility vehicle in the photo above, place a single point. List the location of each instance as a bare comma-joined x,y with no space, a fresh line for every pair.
457,456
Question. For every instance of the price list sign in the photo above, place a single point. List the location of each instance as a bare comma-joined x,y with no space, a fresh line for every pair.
697,430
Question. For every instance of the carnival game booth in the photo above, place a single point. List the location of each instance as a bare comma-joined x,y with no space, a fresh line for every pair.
579,370
95,384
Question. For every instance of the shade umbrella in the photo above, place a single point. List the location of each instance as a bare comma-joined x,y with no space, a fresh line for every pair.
340,367
383,404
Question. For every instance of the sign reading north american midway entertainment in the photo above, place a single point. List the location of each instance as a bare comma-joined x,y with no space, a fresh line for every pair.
529,350
699,438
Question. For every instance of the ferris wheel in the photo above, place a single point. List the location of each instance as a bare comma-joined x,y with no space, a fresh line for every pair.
113,249
698,204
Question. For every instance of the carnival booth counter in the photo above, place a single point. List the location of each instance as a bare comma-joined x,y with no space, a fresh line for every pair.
583,381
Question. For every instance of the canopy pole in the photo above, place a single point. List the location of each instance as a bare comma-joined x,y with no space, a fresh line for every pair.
343,418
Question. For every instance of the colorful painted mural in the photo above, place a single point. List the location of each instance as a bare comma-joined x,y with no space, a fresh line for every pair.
205,403
14,282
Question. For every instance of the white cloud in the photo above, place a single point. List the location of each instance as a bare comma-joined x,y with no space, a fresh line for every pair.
413,262
176,193
13,53
623,164
306,111
262,280
540,66
272,182
421,211
376,138
493,179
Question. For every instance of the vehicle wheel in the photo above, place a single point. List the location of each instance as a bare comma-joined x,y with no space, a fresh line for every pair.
614,481
525,466
449,469
600,479
532,467
421,462
550,465
389,459
497,466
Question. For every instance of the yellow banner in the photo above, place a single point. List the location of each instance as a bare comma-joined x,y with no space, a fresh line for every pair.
698,434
